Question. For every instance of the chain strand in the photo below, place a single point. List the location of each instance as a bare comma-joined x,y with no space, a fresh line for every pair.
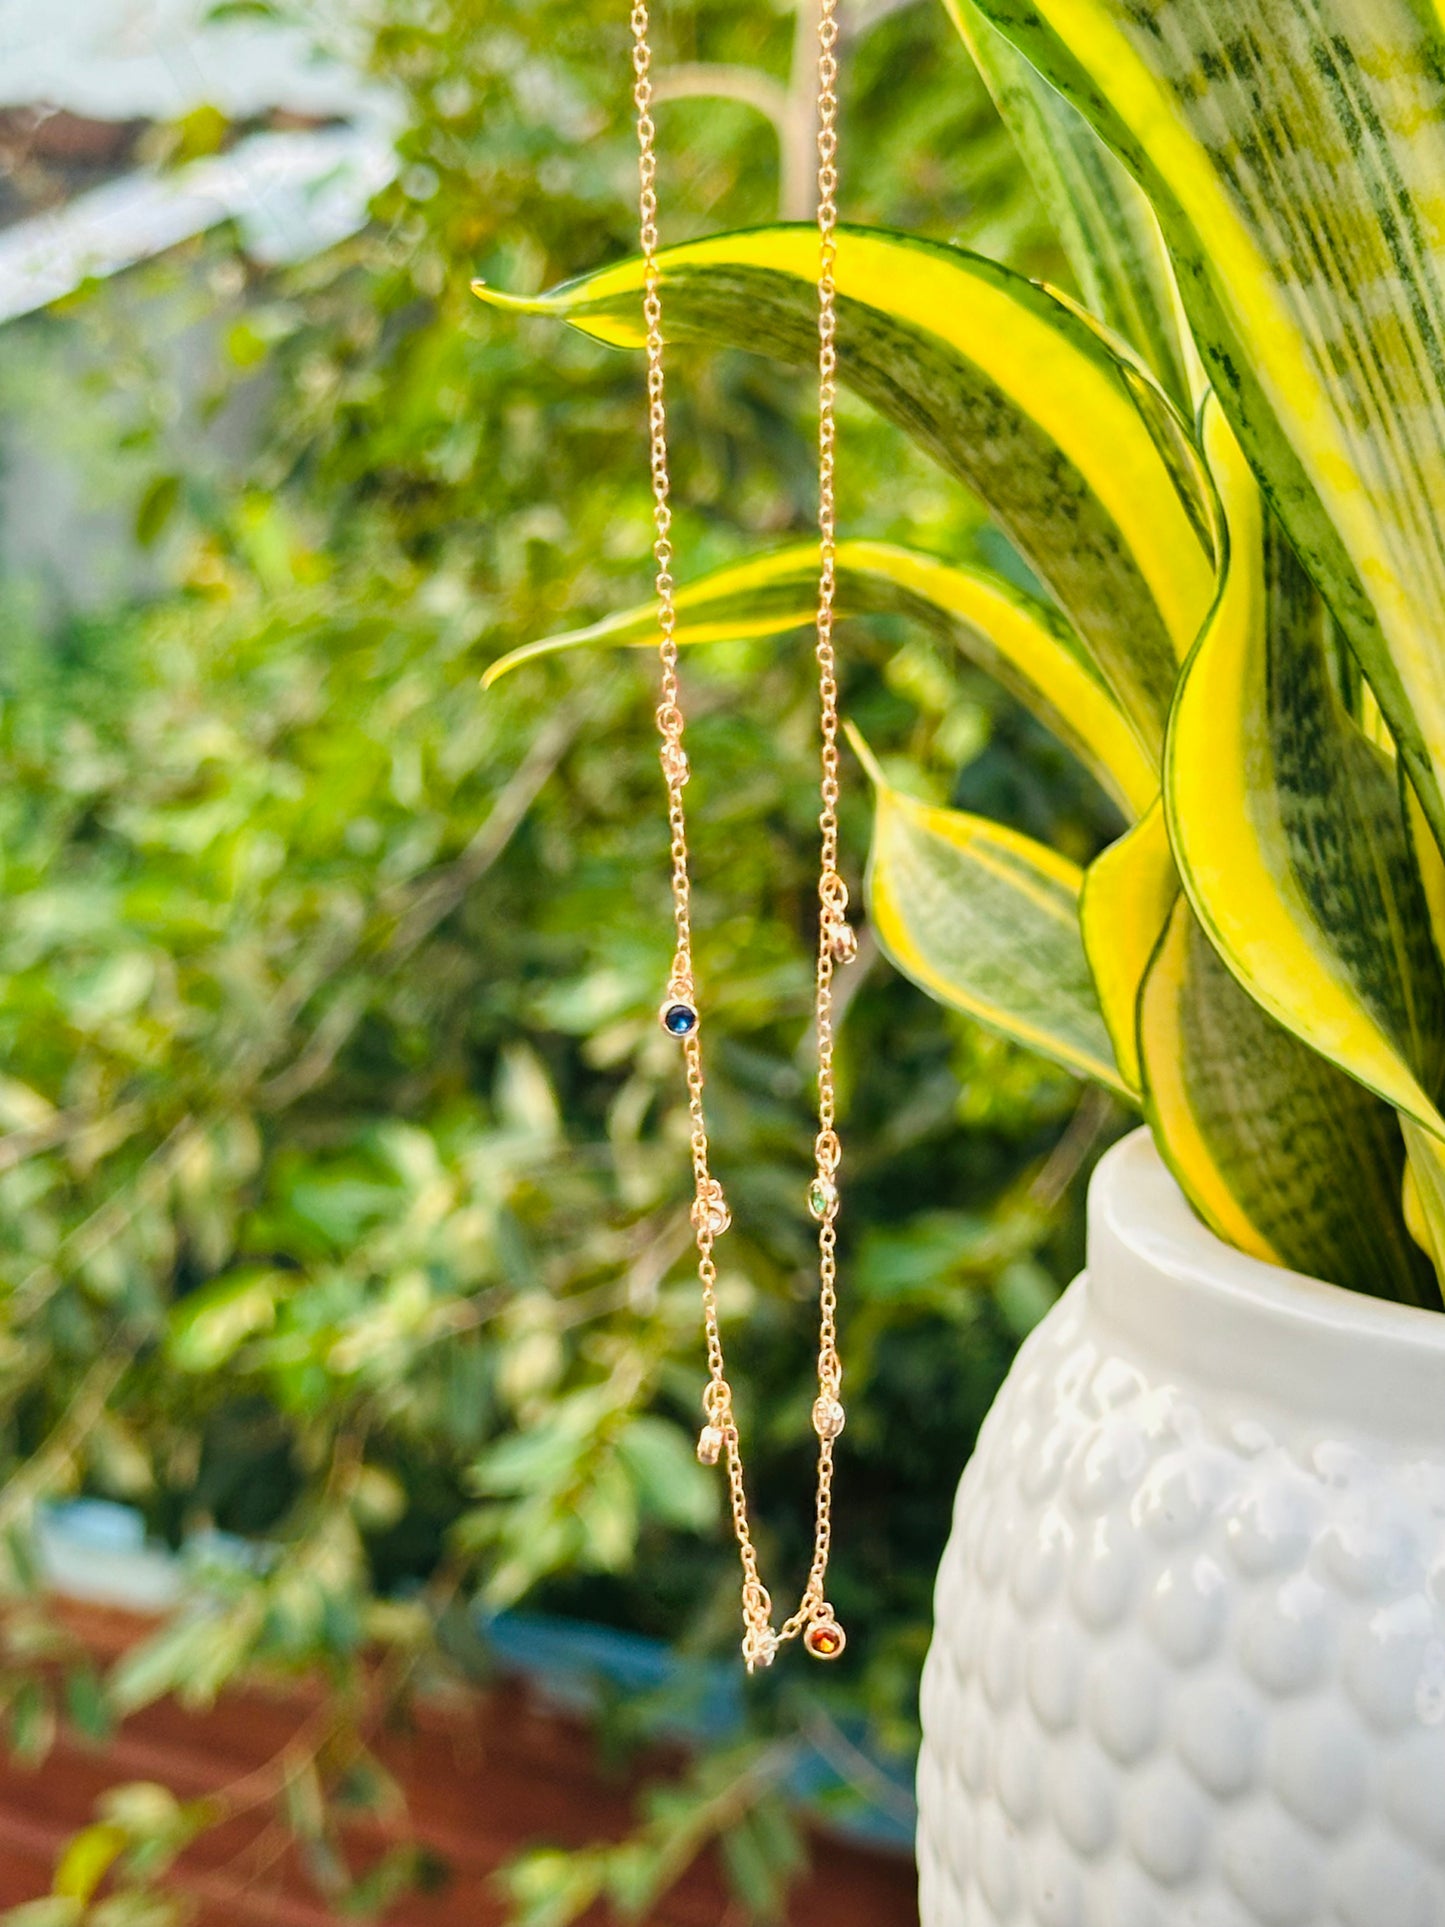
813,1619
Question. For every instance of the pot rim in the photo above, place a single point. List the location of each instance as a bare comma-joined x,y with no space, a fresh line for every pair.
1171,1289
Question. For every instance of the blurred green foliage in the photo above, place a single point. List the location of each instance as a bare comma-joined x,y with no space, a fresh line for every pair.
343,1185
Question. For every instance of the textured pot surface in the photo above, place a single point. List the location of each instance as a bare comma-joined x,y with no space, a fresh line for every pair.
1189,1661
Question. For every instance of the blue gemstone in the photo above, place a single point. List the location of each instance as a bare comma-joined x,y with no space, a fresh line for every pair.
680,1020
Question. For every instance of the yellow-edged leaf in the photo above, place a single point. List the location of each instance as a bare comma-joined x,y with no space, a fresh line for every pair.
1001,382
1279,1152
985,920
1104,223
1185,1139
1287,824
1294,151
1428,861
1128,893
1025,643
1423,1191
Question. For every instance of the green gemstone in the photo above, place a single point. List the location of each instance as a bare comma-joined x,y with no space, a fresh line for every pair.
822,1198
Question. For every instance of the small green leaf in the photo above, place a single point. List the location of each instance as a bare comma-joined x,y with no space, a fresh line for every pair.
305,1802
211,1324
167,1661
135,1909
670,1484
58,1910
88,1858
634,1873
141,1808
86,1705
194,135
1024,1293
756,1881
398,1872
607,1514
156,507
32,1723
548,1888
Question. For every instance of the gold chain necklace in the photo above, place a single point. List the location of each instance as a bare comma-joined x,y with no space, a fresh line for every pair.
814,1619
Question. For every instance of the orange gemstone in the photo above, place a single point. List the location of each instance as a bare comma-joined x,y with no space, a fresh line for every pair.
825,1639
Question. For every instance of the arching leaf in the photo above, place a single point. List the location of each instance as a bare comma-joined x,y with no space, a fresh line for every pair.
1104,223
985,920
1128,893
1264,1136
1294,150
1025,643
1287,823
1003,384
1279,1152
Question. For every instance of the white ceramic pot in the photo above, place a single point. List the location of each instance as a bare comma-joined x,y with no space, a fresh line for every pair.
1189,1661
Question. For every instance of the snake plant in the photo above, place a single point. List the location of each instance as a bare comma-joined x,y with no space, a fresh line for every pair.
1225,468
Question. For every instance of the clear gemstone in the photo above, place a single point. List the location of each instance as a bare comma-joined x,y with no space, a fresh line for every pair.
710,1210
822,1198
829,1418
760,1647
709,1444
843,942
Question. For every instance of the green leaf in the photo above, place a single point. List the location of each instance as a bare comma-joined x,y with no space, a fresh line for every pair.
142,1808
156,507
211,1324
32,1722
1003,383
88,1858
1294,150
1024,1293
1105,225
1423,1191
1017,638
1280,1153
305,1802
399,1871
1288,826
985,920
19,1562
85,1704
136,1909
606,1510
548,1455
57,1910
1268,1140
549,1888
193,1654
757,1882
671,1485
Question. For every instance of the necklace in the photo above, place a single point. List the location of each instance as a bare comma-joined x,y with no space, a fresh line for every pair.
813,1620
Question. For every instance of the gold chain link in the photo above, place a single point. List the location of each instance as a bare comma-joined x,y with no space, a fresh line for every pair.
813,1619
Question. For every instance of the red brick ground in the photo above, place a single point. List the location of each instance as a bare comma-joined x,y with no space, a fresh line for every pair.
484,1778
